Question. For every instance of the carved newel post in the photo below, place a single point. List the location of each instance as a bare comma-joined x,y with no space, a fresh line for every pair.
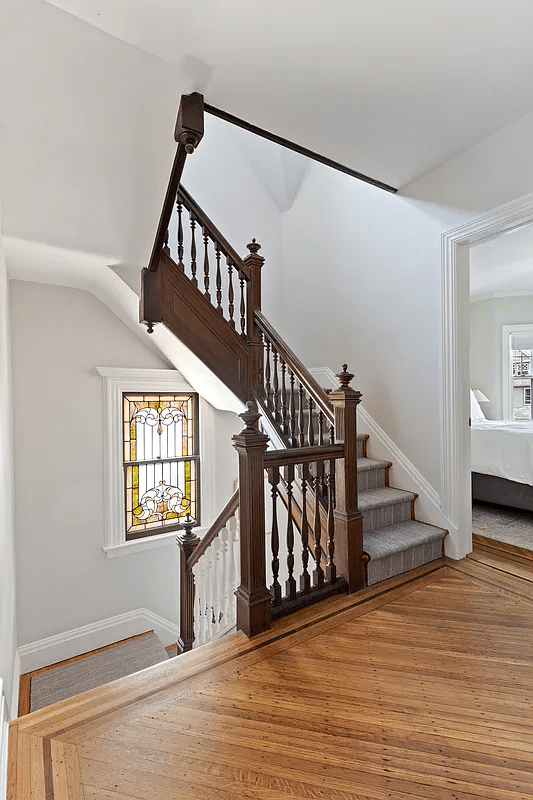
253,597
348,519
187,541
254,262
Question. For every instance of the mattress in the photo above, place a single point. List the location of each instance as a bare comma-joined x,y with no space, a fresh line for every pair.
504,449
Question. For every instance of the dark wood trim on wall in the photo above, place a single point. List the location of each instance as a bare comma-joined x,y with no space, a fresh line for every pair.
273,137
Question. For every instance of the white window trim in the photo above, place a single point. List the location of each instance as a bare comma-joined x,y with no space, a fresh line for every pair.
507,384
117,381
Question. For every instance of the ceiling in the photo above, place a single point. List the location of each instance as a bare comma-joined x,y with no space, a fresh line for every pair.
503,266
389,88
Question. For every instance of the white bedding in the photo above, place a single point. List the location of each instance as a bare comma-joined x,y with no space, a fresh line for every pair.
504,449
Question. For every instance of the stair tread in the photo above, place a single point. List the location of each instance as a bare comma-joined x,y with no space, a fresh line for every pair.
384,496
367,464
399,537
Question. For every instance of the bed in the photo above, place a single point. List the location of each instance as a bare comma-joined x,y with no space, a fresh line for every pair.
502,461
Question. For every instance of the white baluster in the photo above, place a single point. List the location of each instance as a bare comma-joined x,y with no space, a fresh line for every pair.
224,581
217,587
200,632
209,594
234,571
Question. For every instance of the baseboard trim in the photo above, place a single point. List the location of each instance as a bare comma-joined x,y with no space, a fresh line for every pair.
14,707
81,640
4,725
326,378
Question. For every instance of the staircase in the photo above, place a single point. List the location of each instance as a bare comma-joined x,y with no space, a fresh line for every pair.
336,523
393,540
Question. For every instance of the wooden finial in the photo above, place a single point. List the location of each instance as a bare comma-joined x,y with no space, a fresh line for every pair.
253,247
250,418
344,377
188,524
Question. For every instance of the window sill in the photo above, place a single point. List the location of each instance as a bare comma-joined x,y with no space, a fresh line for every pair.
150,543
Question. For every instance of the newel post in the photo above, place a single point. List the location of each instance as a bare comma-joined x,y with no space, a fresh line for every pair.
255,264
348,519
253,597
187,542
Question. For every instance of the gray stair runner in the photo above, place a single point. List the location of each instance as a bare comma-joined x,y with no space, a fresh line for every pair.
394,541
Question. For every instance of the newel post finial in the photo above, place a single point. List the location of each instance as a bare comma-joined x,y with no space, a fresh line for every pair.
189,129
250,417
254,247
344,377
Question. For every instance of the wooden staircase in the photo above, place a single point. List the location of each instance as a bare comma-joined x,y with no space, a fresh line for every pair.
336,523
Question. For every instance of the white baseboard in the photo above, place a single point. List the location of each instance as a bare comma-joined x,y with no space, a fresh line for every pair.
404,472
14,708
89,637
4,725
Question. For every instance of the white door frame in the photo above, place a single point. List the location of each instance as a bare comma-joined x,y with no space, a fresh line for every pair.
456,501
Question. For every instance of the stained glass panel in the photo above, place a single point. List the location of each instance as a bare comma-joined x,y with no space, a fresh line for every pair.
160,461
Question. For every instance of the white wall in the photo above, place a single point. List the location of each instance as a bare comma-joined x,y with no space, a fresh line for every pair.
59,335
486,320
8,639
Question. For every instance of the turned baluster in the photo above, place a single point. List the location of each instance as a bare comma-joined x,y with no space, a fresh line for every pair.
193,250
318,572
331,570
206,265
166,248
181,265
301,416
275,388
218,279
310,422
242,307
224,584
231,294
305,578
268,387
200,621
187,541
292,410
217,588
283,395
290,584
273,479
233,566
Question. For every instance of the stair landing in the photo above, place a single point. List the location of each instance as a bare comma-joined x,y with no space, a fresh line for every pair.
414,689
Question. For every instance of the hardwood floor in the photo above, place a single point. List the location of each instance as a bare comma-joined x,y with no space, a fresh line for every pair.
416,690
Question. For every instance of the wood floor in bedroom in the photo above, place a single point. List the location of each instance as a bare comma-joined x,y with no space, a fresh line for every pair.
416,689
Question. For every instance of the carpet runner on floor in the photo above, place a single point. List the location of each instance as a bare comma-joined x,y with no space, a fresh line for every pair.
67,680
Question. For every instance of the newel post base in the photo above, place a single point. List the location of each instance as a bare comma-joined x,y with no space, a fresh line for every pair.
187,542
253,597
348,519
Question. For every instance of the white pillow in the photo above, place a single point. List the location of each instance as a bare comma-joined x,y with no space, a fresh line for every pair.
476,414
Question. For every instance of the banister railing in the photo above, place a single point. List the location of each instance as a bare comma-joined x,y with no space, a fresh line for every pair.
221,521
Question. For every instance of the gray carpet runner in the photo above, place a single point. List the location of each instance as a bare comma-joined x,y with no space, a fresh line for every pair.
67,680
392,538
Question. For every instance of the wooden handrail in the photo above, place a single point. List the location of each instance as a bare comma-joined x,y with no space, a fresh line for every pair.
190,203
227,512
302,373
303,455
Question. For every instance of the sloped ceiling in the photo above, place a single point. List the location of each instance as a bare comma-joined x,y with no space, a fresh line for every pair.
389,88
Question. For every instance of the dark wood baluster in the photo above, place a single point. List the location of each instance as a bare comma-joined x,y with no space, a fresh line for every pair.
219,280
166,248
305,578
283,397
268,387
243,307
181,265
310,423
273,479
331,569
206,265
292,410
318,572
320,418
301,416
231,295
275,393
193,250
290,584
332,434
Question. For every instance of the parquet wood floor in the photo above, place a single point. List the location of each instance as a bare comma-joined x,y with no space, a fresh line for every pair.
422,690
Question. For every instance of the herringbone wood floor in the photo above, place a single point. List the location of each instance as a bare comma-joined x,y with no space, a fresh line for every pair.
424,690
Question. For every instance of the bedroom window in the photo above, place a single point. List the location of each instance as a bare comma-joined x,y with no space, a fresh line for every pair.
517,371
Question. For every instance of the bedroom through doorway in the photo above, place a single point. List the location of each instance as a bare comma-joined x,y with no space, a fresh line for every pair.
501,379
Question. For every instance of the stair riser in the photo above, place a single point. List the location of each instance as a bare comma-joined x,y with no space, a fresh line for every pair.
383,568
372,479
381,517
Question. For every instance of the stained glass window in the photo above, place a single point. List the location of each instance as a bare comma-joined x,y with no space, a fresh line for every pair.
161,461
